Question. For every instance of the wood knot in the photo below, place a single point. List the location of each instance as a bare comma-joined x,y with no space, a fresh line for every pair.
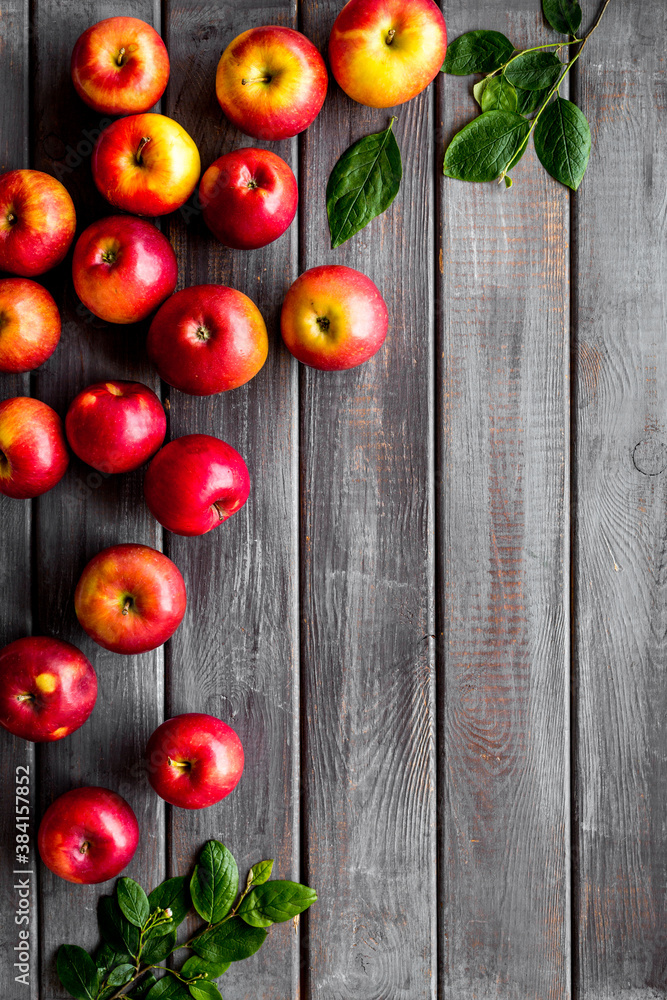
650,456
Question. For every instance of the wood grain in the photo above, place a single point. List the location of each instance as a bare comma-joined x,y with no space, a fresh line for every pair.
367,584
15,539
502,399
238,656
87,511
621,511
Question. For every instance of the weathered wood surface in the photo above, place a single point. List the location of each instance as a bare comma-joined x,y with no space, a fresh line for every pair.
239,658
502,399
386,623
368,585
88,512
620,636
15,530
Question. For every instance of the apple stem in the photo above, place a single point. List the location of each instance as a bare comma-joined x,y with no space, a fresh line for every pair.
220,510
144,140
121,56
257,79
127,605
182,765
25,697
84,847
11,218
390,36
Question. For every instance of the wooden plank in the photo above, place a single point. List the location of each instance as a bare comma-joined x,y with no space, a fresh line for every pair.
367,584
239,659
87,512
15,570
502,460
621,453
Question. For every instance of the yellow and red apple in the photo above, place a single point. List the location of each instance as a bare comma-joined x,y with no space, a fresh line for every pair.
123,268
146,164
37,222
271,82
385,52
130,598
33,450
207,339
47,688
120,66
29,325
333,318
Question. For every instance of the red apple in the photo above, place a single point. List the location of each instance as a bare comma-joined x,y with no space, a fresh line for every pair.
120,66
271,82
130,598
47,688
33,450
146,164
115,426
249,198
37,222
207,339
194,760
385,52
195,483
29,325
333,317
123,268
88,835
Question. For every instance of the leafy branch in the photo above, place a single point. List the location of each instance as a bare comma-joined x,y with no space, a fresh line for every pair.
139,932
515,85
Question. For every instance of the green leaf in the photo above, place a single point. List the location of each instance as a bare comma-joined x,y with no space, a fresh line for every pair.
499,95
116,929
231,942
478,89
259,873
107,958
563,15
477,52
508,181
168,988
485,147
139,992
77,972
215,882
121,975
563,142
157,947
534,70
133,901
275,902
363,184
528,101
204,990
195,965
172,894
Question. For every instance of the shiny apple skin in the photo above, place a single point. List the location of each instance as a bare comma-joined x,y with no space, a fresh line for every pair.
48,688
164,176
283,106
33,450
207,339
194,760
191,474
123,268
249,198
37,222
379,74
137,83
352,312
145,578
29,325
88,835
115,426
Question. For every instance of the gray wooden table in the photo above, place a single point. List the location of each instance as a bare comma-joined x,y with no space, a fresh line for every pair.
440,624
